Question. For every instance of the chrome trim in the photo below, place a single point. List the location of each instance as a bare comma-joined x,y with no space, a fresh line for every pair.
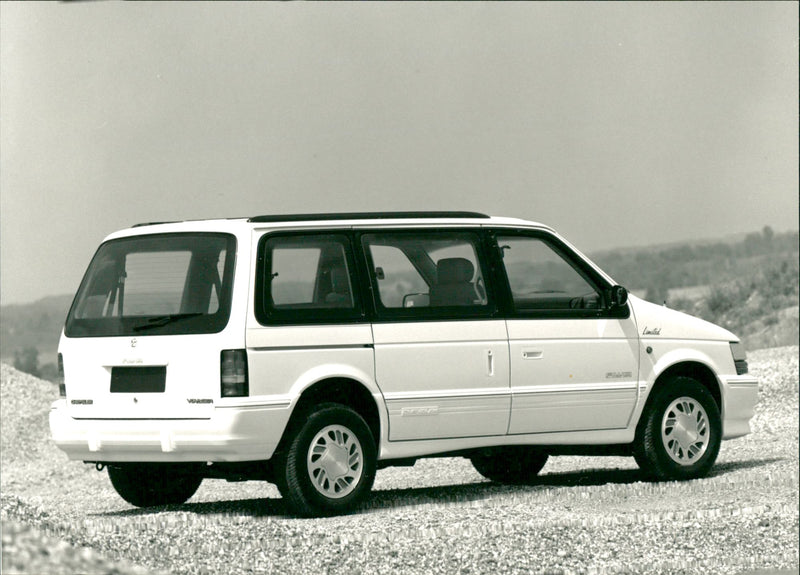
753,383
576,388
306,347
277,404
457,394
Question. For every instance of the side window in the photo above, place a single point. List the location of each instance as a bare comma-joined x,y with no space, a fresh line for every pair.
399,283
428,270
306,278
293,274
541,279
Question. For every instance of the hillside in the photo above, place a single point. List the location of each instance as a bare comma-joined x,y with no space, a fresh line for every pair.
658,269
750,286
35,325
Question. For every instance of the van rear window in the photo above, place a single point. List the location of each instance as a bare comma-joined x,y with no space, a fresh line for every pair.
158,284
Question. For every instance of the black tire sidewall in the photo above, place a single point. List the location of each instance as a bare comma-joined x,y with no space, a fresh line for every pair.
651,453
516,465
296,486
150,485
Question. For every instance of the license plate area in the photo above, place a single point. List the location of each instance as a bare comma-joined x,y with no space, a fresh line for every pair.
140,379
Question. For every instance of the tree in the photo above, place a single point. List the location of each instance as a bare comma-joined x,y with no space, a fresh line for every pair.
657,292
768,234
27,360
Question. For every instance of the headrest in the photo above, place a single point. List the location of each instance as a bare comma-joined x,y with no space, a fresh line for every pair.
454,270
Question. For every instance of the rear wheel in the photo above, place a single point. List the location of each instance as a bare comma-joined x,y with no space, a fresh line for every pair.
152,484
680,434
515,464
329,463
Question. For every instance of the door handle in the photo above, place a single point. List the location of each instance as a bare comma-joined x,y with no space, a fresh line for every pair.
528,354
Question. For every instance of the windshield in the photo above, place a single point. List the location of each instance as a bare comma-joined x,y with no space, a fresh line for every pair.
164,284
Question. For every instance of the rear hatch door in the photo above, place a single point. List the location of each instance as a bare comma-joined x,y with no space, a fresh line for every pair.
144,336
156,377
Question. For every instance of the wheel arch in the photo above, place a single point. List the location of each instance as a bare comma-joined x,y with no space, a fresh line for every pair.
336,389
695,370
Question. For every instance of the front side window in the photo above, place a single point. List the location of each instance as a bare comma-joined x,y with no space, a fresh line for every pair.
306,278
541,279
437,271
156,285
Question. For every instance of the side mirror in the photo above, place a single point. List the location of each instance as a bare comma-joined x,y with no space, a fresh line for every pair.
617,297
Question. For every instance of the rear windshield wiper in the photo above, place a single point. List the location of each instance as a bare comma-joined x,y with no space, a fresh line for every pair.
161,320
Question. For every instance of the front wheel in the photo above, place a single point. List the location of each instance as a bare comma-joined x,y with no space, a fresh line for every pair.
153,484
515,464
329,464
680,434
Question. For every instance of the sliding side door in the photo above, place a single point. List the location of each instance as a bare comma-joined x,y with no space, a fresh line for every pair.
441,355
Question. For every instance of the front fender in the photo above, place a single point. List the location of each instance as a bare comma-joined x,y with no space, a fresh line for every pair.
664,354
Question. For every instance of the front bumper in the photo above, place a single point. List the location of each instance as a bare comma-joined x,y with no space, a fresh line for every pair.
740,396
248,433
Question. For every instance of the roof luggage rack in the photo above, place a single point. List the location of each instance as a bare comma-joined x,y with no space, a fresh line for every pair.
143,224
364,216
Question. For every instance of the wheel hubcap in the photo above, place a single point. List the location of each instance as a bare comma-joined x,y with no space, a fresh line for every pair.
335,461
685,431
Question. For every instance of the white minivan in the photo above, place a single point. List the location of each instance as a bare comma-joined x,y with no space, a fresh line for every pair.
312,350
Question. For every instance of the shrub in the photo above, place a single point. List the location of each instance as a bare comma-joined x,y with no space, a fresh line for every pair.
27,360
657,293
722,299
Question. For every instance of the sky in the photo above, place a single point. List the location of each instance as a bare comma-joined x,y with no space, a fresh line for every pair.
619,124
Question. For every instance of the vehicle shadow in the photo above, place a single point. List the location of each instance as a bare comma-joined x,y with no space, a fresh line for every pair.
731,466
442,494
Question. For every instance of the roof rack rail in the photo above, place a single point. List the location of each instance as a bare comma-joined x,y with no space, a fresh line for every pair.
363,216
152,224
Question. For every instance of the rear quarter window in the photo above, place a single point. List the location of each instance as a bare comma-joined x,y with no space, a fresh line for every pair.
306,278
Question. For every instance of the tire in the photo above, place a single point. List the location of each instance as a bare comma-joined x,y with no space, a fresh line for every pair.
153,484
329,463
516,465
679,436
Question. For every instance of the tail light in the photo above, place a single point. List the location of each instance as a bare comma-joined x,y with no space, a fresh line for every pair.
233,373
62,387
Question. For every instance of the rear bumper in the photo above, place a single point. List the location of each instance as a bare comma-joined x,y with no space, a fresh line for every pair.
740,396
232,434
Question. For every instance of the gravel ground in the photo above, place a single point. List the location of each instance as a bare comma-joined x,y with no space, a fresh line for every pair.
585,515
